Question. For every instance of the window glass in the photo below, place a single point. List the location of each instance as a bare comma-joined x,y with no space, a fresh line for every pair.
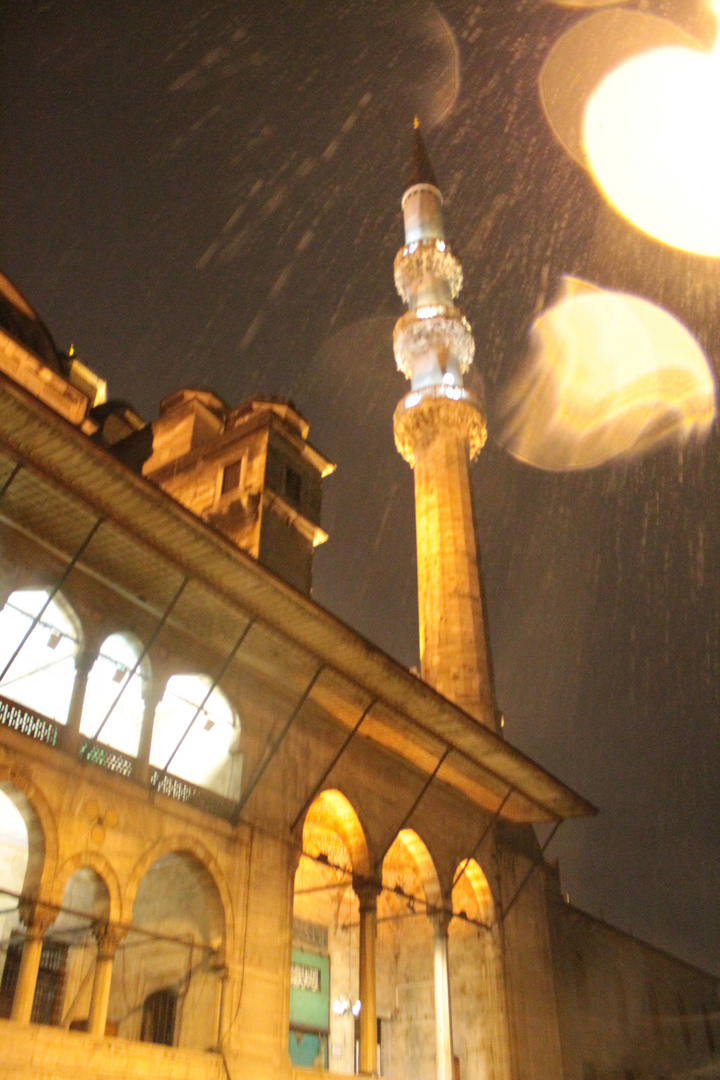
209,753
231,476
293,485
42,676
109,677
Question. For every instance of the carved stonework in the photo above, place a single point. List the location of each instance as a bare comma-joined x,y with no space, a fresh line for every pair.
441,922
367,892
423,415
37,917
436,327
108,938
425,258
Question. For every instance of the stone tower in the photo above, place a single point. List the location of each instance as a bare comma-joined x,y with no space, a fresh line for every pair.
439,429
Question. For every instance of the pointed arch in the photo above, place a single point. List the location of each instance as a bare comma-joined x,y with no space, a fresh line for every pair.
331,812
96,862
409,865
471,893
109,677
196,737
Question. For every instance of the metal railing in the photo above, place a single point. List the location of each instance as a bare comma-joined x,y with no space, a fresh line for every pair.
107,757
34,725
186,792
41,728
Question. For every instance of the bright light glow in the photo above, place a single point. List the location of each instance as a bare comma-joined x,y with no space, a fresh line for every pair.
13,864
651,135
608,375
208,757
429,311
42,676
356,1008
109,676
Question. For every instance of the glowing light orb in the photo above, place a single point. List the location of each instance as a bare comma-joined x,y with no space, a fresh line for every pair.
608,375
652,139
588,51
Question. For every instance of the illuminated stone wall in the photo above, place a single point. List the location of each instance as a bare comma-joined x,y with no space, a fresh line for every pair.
627,1009
247,473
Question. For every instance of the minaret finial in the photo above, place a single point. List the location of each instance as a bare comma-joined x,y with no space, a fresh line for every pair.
421,170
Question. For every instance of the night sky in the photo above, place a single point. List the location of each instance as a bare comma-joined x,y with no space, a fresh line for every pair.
207,193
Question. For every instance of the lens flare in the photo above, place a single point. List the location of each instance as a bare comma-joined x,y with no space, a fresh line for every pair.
608,375
588,51
651,136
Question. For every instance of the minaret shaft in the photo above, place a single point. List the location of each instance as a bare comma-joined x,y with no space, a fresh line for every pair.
453,648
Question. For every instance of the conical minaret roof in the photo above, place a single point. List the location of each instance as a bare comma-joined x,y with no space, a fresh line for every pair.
420,170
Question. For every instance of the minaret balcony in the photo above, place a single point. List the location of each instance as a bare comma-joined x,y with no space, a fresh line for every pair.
434,328
423,415
426,259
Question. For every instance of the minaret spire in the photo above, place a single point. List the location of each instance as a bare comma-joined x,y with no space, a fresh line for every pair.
439,428
421,170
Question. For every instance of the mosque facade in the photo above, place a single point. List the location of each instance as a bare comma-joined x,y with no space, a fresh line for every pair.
238,840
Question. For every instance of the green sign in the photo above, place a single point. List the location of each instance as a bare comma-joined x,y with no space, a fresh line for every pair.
310,991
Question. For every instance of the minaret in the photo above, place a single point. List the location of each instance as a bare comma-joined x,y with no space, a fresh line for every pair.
439,429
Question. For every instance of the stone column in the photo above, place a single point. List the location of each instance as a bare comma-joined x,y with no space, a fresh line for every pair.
153,692
108,938
219,1017
443,1019
37,918
83,666
368,892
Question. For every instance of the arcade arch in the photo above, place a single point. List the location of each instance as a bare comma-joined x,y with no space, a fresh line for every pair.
476,992
196,735
114,692
166,978
64,988
42,675
324,975
14,851
405,959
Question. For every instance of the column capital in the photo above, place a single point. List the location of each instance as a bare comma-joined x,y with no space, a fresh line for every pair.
441,922
108,938
367,892
37,917
86,655
423,416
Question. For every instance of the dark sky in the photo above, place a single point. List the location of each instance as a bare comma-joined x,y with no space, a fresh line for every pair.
207,192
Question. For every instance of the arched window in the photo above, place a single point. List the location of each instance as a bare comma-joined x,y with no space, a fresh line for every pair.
41,677
195,741
109,676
